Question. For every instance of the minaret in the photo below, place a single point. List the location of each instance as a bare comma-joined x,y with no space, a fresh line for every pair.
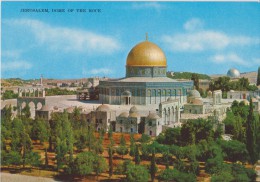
41,83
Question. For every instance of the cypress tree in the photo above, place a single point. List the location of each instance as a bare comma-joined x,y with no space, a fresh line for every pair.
110,153
251,134
46,158
137,155
153,167
132,145
167,160
258,77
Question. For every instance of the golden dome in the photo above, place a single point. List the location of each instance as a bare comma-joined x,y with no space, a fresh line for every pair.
146,54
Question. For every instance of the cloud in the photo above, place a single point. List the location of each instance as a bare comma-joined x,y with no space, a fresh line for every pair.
99,71
201,40
13,54
148,5
193,24
16,66
256,61
66,39
229,58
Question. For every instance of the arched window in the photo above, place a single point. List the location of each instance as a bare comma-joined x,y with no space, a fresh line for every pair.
159,93
148,93
164,92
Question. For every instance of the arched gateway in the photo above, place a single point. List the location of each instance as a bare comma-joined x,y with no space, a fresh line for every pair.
33,96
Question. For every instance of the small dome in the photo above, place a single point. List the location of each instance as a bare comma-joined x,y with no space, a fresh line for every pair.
134,115
254,99
246,102
153,116
133,109
123,115
127,93
170,99
197,101
70,109
146,54
89,85
46,108
233,73
103,108
194,93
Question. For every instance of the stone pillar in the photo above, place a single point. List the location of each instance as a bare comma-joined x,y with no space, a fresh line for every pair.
20,92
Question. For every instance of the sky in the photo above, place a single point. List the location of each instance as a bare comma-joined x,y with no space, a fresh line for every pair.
202,37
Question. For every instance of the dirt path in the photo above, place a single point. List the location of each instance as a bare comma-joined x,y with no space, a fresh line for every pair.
7,177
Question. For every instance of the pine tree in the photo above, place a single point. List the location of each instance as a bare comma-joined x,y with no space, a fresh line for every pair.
110,153
195,78
46,158
251,134
122,149
258,77
137,155
153,167
167,159
132,145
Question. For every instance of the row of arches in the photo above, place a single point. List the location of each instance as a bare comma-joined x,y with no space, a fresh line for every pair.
31,92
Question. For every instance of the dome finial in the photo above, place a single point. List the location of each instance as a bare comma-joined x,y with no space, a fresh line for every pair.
146,36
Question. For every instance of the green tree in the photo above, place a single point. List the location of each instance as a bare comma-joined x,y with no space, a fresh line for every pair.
195,78
166,158
137,173
214,165
234,150
6,125
122,149
83,164
193,131
81,138
175,175
9,94
11,158
137,155
144,138
91,139
110,154
40,130
240,173
132,145
99,165
251,128
98,147
171,136
223,176
26,113
153,166
76,119
122,168
46,164
64,139
32,159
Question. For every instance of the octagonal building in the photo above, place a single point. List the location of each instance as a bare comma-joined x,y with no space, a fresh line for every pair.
145,82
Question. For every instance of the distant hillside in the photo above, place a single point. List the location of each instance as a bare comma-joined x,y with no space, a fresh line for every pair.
186,75
252,76
12,82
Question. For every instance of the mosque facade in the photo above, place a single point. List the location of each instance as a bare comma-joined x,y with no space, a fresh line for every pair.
145,82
